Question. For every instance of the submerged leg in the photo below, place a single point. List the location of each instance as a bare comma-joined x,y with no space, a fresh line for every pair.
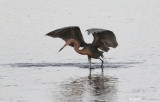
101,64
89,60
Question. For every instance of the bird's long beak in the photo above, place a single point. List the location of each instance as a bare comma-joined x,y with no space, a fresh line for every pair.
63,47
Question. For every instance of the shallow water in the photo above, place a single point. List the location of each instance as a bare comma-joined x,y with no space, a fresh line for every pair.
32,70
70,84
79,65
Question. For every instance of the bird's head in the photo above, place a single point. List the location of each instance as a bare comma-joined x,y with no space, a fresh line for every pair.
64,46
69,42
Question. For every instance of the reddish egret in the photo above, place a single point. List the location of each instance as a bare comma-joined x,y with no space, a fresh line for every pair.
103,39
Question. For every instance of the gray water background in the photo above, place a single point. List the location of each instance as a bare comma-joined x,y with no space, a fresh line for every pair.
32,70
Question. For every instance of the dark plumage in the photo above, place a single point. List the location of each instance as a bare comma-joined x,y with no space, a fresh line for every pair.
103,39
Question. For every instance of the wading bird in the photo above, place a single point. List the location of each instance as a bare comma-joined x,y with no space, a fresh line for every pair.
103,39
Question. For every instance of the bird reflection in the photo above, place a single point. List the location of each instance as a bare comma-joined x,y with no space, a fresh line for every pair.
97,88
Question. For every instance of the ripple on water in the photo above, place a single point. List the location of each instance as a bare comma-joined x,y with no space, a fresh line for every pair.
80,65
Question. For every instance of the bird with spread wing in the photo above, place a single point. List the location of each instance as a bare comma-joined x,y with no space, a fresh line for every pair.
103,39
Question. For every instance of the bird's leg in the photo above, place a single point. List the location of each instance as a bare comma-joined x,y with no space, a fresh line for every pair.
101,64
90,75
89,59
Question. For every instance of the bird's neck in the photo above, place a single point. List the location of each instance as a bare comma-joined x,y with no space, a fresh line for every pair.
77,46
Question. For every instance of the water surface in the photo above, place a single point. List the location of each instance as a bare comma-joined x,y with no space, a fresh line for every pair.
32,70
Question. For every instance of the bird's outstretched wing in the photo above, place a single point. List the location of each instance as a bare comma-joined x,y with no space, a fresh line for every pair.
67,33
103,39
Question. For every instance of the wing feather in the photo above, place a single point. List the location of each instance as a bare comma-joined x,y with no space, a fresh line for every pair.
67,33
103,39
